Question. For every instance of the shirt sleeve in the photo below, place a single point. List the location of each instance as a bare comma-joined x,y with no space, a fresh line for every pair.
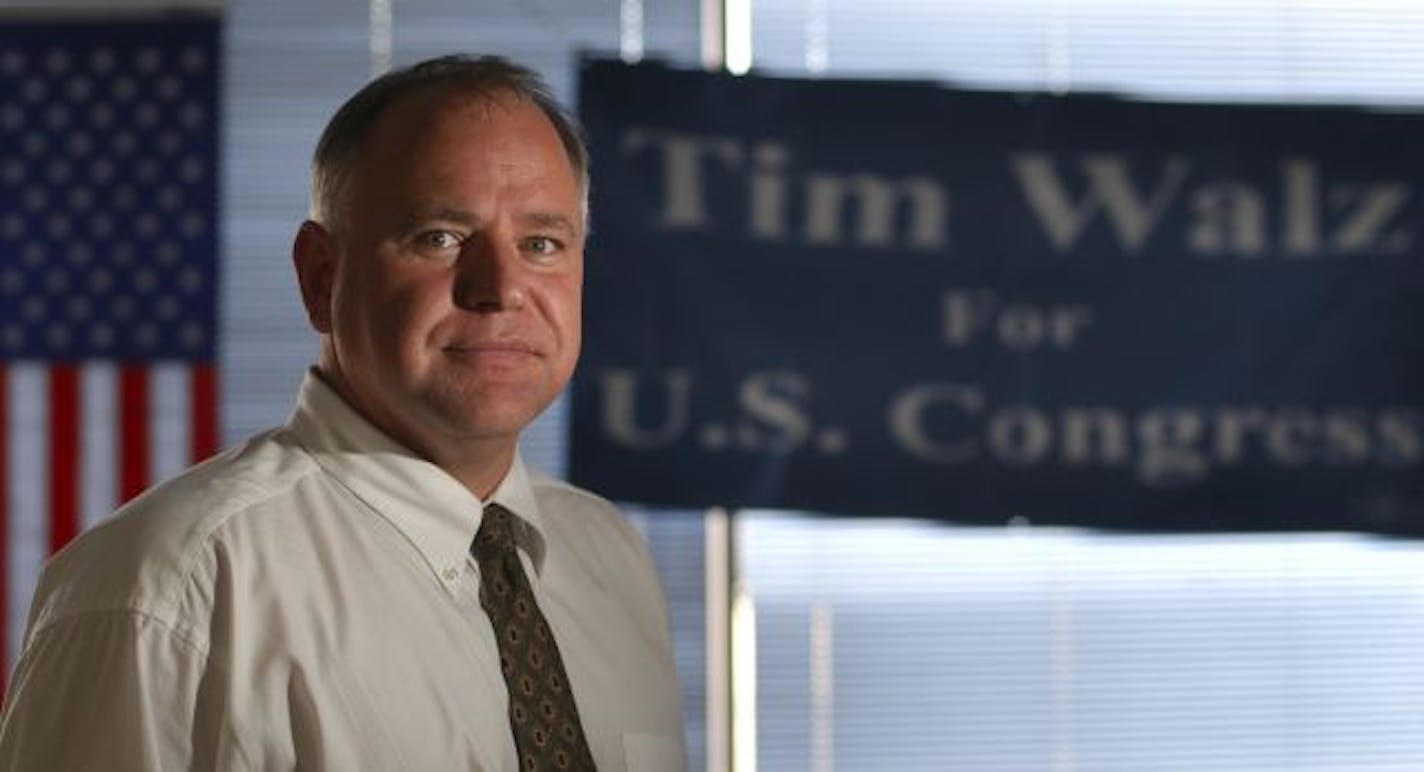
111,689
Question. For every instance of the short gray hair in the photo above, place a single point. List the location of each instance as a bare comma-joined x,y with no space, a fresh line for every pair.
488,76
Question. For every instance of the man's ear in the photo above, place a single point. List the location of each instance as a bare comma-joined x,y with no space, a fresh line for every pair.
314,256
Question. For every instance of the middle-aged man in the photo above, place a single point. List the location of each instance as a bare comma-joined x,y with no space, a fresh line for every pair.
381,583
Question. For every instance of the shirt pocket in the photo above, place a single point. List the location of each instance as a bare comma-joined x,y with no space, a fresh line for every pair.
652,752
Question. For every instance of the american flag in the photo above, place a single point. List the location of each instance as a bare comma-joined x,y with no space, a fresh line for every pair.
108,270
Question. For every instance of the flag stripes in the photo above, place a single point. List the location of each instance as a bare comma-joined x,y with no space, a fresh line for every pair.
108,273
97,435
64,472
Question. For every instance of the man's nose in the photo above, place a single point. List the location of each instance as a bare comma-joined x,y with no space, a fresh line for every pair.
487,275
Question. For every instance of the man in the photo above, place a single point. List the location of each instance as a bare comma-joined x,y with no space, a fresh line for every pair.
312,599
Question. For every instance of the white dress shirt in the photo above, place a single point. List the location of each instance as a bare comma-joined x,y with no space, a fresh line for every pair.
307,600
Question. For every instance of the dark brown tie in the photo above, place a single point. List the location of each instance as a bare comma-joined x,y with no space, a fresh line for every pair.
542,712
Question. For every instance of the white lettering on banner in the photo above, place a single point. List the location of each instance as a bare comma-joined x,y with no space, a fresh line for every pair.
876,197
971,315
775,409
907,421
952,424
1164,446
910,212
684,205
1132,214
620,409
772,414
1376,207
1229,217
1065,197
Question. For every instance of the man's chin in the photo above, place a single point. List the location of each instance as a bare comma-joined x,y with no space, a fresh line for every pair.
482,425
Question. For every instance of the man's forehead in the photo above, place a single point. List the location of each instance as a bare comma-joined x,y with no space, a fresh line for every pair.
426,106
422,214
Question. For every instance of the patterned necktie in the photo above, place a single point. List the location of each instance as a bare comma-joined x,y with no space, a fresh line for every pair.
542,712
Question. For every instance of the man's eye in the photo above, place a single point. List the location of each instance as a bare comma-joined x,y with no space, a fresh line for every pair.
541,245
437,240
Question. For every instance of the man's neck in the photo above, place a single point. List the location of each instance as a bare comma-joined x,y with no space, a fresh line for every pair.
480,464
480,469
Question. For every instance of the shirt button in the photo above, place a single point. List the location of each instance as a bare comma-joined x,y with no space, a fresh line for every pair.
451,574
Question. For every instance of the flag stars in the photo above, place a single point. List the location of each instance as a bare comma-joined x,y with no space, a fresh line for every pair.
191,115
34,144
169,88
145,280
194,225
79,308
56,281
169,143
101,226
146,170
190,280
146,335
33,308
102,170
146,115
194,59
146,225
57,116
14,337
168,254
121,308
168,198
58,62
107,214
81,199
124,144
13,172
12,63
124,198
79,89
12,281
101,336
34,90
58,225
101,115
148,60
80,144
12,118
36,199
123,89
166,309
191,169
58,336
102,61
101,281
57,171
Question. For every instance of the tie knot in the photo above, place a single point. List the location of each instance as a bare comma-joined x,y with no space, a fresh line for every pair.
496,534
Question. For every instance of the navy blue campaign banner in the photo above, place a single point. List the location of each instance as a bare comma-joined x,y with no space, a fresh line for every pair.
895,299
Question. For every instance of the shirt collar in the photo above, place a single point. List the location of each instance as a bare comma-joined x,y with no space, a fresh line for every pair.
428,506
517,495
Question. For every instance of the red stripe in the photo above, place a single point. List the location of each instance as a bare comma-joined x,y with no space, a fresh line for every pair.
5,604
204,401
64,473
134,438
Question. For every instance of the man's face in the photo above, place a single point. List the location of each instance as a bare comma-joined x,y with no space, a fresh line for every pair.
454,290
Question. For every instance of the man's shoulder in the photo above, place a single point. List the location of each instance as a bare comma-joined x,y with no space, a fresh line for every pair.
575,506
551,490
586,516
141,558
